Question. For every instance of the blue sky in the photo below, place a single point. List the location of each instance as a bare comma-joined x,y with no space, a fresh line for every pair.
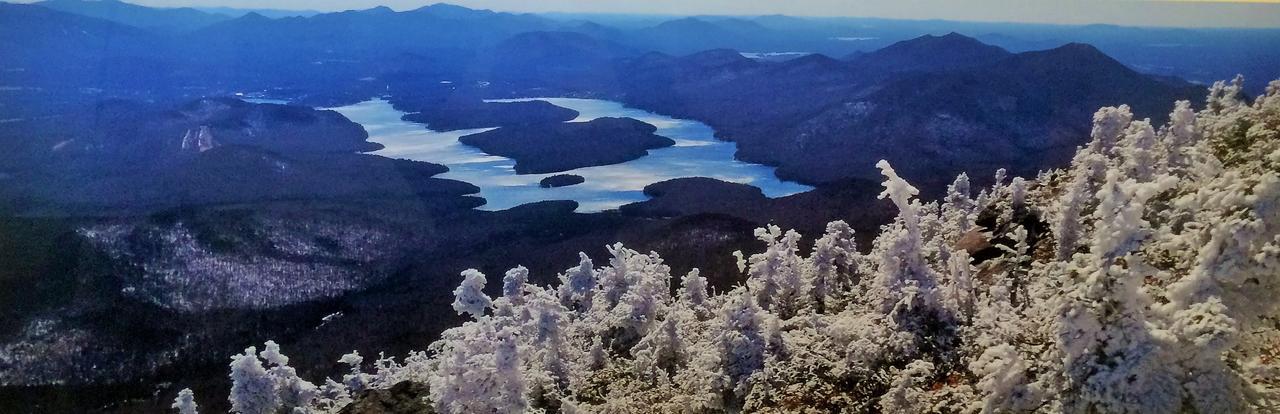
1257,13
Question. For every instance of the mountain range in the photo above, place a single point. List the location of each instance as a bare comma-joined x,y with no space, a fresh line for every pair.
164,20
960,104
152,222
1163,51
175,20
823,120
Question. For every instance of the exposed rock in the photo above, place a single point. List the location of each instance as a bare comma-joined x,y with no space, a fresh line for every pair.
198,139
404,398
974,240
994,230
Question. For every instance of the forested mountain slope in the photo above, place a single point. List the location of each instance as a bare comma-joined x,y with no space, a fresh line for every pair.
963,105
1140,278
822,120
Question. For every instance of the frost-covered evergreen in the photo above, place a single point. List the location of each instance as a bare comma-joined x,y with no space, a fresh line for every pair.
253,391
831,268
1141,278
775,276
186,402
469,297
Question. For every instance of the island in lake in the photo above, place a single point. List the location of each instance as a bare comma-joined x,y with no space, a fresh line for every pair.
550,148
561,180
457,114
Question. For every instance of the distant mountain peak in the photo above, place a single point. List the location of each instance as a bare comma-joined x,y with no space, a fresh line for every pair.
815,59
46,2
561,43
951,39
686,22
717,58
929,52
741,24
445,6
815,62
689,19
169,20
716,54
705,25
1074,52
452,11
253,16
1081,48
1073,56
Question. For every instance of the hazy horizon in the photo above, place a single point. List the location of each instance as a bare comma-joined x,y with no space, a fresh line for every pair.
1211,13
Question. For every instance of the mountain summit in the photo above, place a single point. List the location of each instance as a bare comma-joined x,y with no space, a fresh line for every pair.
180,20
931,53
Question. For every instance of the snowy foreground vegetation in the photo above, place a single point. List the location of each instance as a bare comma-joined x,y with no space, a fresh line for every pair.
1142,278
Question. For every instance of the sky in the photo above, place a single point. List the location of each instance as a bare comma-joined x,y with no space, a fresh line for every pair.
1180,13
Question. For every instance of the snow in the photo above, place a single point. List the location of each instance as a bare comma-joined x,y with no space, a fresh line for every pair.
1153,291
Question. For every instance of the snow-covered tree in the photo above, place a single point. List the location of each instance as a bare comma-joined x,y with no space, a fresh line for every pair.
578,283
905,286
469,297
742,339
958,210
663,351
635,288
775,276
464,380
186,402
1003,381
510,392
253,391
1180,136
959,294
294,392
693,293
1112,356
909,390
1154,292
1108,127
513,284
831,267
1018,193
355,380
1226,97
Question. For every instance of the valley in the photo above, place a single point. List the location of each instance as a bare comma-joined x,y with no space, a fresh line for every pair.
178,184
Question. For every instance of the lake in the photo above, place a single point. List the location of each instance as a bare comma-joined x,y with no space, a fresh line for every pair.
697,153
